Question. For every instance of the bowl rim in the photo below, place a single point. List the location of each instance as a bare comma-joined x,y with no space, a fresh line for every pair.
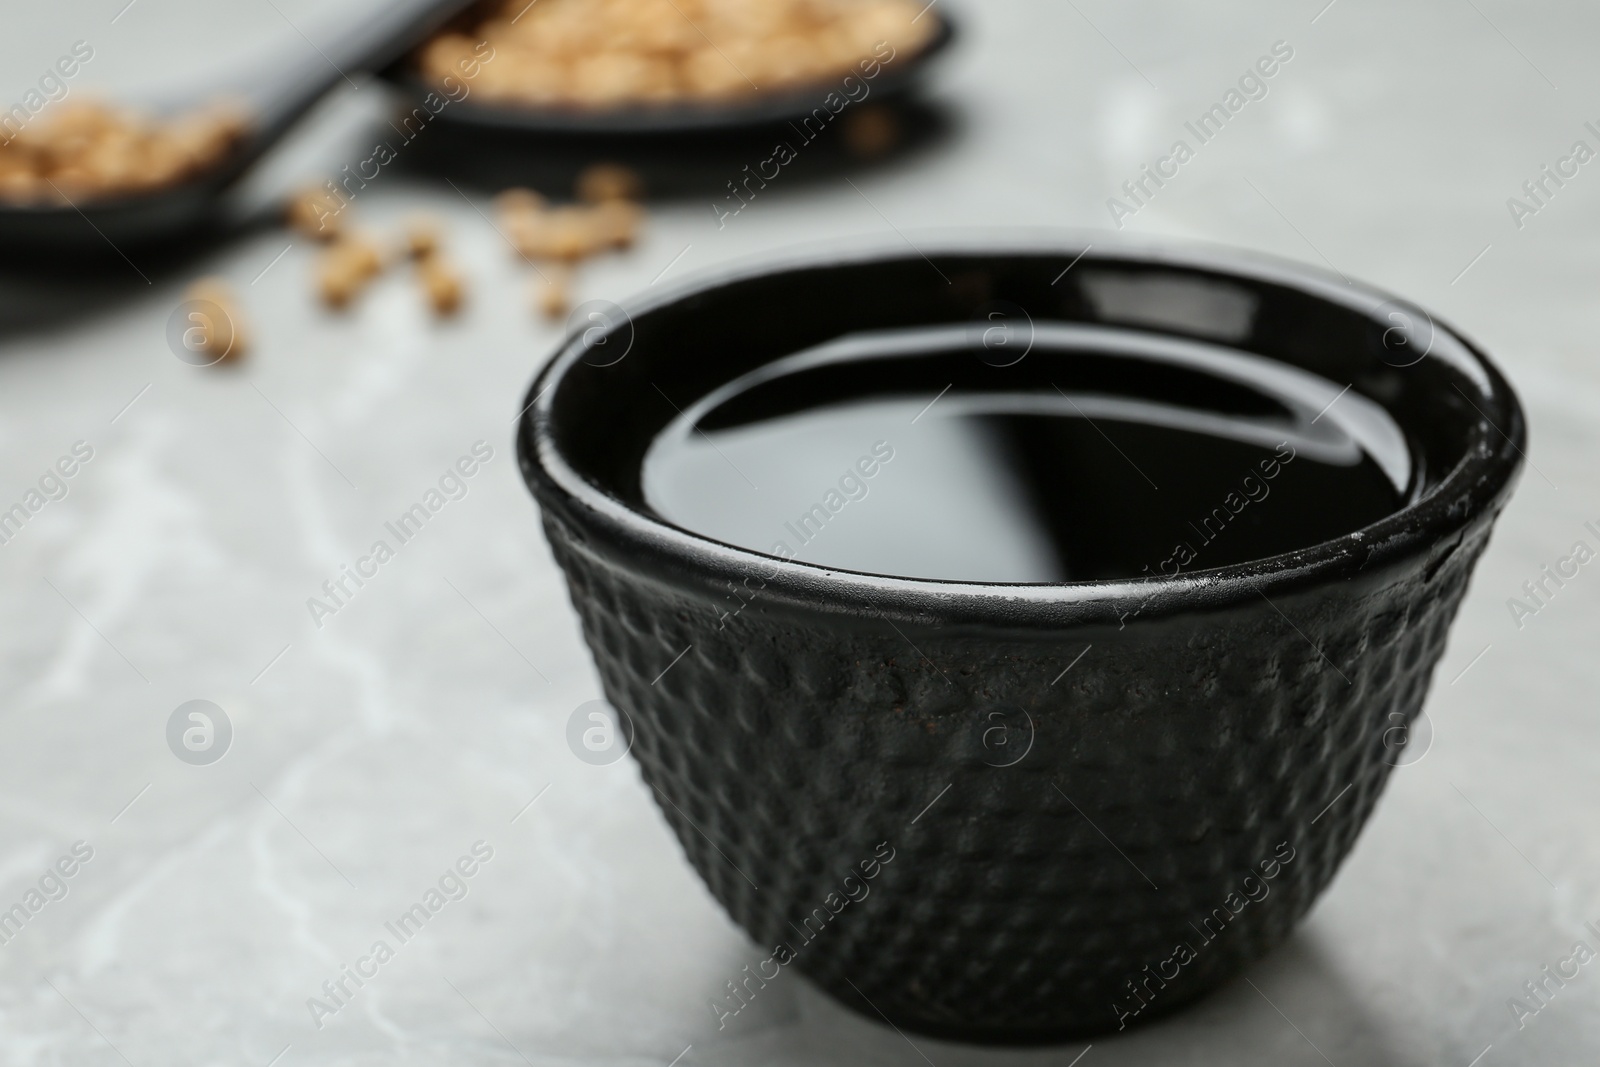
1471,494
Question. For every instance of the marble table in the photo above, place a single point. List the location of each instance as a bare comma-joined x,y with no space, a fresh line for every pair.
209,902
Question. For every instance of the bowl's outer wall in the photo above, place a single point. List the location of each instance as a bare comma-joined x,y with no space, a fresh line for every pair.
1173,760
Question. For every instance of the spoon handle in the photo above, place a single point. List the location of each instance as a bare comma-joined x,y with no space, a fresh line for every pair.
278,93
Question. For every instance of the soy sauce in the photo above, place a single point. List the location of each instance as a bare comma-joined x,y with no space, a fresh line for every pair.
1100,454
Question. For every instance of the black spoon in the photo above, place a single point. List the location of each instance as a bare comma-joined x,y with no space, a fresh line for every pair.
274,98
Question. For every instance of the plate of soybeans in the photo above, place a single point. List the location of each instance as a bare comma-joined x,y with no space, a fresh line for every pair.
668,66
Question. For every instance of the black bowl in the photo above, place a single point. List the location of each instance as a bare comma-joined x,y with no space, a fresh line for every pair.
1193,782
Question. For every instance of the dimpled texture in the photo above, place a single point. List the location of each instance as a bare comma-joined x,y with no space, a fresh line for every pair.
1151,788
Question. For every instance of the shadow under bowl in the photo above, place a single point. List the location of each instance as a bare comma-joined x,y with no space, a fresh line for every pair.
1202,747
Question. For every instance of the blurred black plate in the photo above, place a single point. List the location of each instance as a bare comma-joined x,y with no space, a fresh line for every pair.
764,109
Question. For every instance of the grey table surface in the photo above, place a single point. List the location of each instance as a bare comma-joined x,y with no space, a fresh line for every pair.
369,754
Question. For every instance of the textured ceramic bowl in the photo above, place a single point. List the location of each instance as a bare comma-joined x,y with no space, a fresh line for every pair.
1193,782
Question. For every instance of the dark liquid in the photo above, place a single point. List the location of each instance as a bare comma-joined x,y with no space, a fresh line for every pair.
1096,456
